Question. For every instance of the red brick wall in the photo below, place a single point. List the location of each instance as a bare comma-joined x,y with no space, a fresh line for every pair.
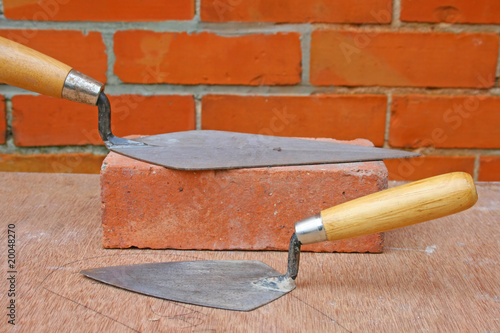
405,74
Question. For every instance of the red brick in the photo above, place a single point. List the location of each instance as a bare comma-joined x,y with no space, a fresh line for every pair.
99,10
283,11
344,117
84,52
489,168
148,206
428,166
413,59
46,121
445,121
207,58
3,120
54,163
451,11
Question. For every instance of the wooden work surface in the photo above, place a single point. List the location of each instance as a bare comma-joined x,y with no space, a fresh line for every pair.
441,276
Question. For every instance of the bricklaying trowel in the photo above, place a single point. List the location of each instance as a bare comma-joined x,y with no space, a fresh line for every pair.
25,68
247,285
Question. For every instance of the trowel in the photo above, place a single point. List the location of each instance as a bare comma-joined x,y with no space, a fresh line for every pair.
247,285
25,68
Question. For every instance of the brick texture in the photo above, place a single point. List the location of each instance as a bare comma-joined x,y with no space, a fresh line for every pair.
207,58
428,166
242,62
283,11
52,163
84,52
413,59
489,168
46,121
99,10
445,121
343,117
3,120
148,206
451,11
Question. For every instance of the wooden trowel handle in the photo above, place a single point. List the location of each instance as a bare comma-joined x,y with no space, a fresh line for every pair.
28,69
397,207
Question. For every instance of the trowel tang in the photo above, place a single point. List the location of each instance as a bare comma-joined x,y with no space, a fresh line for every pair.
246,285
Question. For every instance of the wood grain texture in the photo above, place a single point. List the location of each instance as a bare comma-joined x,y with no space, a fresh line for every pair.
408,204
28,69
440,276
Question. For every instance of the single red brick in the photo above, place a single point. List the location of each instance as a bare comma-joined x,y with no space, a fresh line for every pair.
149,206
46,121
84,52
413,59
451,11
99,10
489,168
3,120
52,163
428,166
445,121
344,117
207,58
283,11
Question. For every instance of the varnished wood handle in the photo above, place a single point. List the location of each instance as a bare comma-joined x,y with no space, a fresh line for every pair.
401,206
28,69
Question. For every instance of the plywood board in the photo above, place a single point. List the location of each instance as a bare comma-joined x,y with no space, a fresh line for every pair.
437,276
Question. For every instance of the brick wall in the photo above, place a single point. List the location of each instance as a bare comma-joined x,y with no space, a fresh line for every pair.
420,75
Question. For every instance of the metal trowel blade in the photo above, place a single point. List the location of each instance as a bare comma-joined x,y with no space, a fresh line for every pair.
207,150
225,284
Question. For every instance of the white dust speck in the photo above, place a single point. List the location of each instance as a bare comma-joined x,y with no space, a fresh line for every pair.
430,249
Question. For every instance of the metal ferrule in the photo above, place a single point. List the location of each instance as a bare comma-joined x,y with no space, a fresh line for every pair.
311,230
81,88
